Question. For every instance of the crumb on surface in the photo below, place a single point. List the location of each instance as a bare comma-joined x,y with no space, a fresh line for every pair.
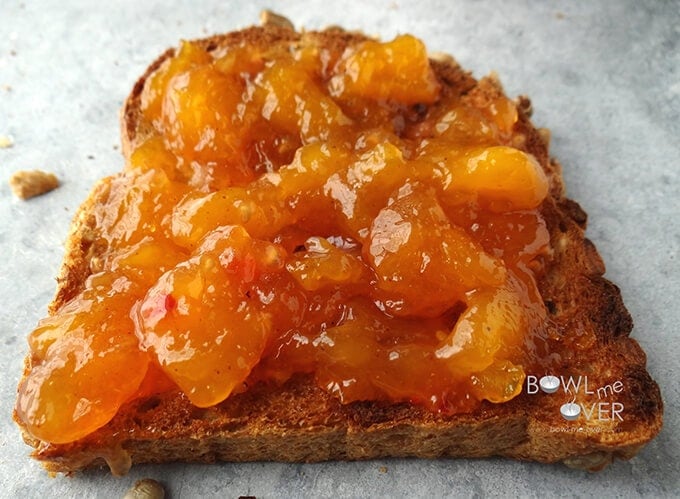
26,184
383,469
267,17
146,489
6,141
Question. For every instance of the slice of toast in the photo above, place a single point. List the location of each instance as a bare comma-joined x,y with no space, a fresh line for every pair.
298,421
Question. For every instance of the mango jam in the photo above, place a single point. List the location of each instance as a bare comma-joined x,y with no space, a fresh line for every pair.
294,210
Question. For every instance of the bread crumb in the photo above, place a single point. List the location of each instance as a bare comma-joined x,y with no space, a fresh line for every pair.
6,141
26,184
383,469
269,18
146,489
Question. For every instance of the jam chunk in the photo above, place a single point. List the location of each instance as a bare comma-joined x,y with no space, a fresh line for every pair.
200,117
85,363
325,265
205,328
363,188
371,356
292,101
189,56
198,213
423,263
500,177
398,71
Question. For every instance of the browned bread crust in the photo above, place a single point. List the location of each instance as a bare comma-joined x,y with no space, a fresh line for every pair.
300,422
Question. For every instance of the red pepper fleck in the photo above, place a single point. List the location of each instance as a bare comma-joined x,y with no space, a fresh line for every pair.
170,303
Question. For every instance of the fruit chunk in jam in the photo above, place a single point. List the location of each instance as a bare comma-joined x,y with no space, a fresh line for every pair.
425,265
202,321
303,209
85,363
398,70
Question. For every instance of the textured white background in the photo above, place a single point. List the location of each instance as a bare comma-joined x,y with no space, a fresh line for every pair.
603,76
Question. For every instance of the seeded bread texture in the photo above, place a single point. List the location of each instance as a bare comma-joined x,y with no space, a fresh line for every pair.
299,422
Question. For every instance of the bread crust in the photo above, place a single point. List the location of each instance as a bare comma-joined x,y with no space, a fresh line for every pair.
300,422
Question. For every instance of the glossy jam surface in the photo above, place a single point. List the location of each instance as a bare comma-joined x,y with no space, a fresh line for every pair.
299,209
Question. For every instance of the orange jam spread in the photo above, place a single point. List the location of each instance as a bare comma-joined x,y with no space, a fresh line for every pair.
336,212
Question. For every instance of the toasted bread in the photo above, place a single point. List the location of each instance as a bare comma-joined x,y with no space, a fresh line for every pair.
300,422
